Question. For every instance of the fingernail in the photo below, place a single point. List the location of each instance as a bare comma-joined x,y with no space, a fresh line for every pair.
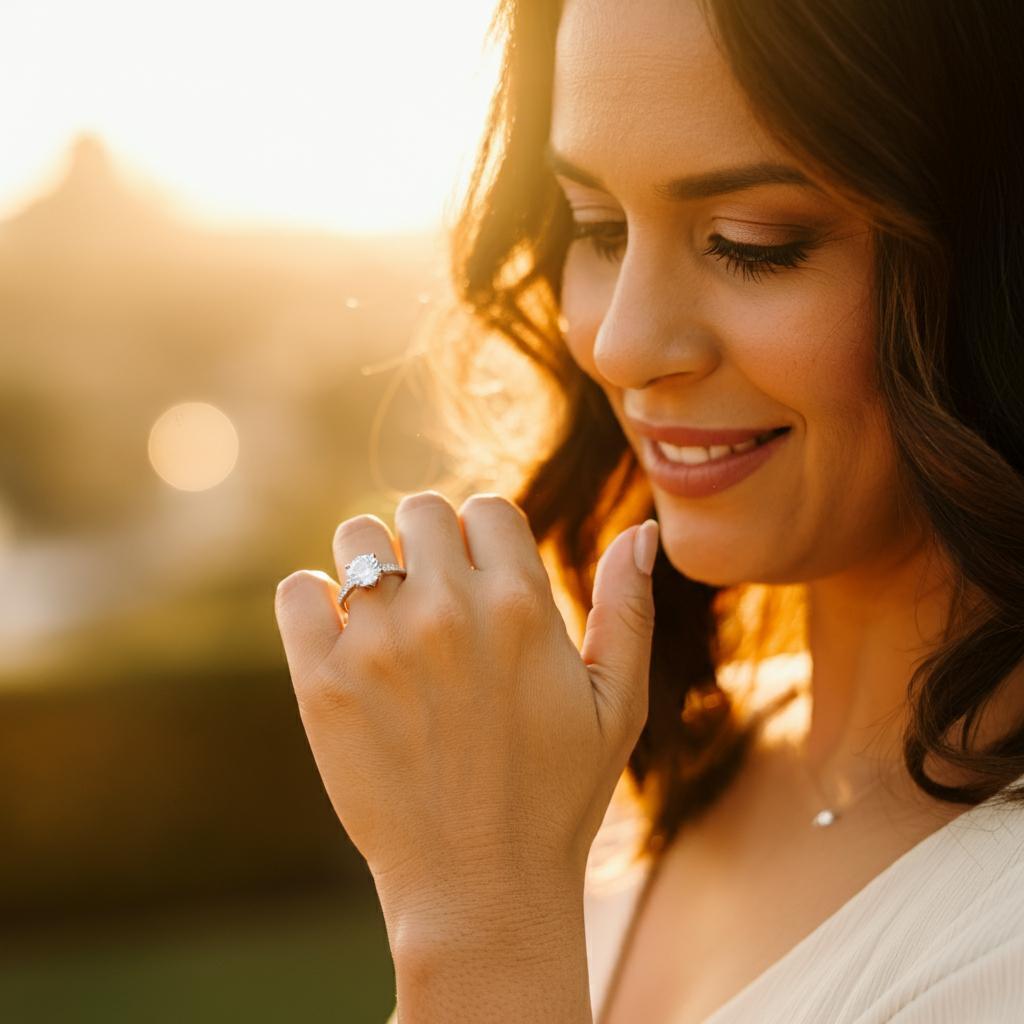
645,546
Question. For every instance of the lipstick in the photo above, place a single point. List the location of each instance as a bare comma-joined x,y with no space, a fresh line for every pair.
697,462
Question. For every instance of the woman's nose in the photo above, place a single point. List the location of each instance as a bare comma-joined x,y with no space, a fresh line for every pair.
654,324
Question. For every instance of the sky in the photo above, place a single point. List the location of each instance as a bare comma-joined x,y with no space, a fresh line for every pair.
359,117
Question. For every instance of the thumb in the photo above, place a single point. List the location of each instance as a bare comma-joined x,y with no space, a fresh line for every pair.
617,640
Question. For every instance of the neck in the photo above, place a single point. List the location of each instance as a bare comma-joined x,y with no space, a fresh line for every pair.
867,631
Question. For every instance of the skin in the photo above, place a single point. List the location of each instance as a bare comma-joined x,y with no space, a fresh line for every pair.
676,336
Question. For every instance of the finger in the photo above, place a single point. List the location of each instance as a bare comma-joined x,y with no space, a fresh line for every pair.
431,537
365,534
498,535
308,619
617,639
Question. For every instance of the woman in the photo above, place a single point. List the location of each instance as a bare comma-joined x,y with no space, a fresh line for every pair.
783,237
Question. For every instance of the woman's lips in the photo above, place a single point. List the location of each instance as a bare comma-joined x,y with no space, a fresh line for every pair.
703,436
725,466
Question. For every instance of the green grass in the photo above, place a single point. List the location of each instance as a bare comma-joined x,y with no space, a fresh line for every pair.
308,959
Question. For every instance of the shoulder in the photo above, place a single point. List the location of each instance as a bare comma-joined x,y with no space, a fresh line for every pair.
961,954
989,988
987,985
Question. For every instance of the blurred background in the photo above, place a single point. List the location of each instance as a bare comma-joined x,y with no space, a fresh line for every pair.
222,228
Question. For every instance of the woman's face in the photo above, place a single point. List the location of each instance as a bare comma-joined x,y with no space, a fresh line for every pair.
682,328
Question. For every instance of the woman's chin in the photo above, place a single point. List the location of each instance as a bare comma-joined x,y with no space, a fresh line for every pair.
724,565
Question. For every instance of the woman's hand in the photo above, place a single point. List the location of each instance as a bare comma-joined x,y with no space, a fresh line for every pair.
468,748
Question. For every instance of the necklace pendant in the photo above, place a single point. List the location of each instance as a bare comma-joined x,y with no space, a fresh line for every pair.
824,818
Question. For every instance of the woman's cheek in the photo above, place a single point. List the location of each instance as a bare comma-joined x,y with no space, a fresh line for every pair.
809,345
584,302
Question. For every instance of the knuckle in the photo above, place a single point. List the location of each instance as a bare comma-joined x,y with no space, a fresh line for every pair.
483,498
514,595
372,658
358,666
420,498
361,521
491,499
290,583
323,691
444,615
636,614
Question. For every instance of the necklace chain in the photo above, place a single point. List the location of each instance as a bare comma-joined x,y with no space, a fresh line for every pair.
831,810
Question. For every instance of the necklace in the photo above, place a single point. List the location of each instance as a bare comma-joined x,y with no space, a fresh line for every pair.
832,810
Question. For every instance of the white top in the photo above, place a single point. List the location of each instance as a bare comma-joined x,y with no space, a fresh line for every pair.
936,938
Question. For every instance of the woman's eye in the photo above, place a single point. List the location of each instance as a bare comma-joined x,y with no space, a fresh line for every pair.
608,239
750,261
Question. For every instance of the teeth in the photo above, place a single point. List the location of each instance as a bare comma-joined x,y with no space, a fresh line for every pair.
695,455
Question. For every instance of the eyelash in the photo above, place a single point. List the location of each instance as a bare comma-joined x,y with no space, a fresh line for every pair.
750,261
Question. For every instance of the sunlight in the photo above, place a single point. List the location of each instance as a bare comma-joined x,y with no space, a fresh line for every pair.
333,114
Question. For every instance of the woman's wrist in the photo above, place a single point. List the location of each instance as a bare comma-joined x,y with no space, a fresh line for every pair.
523,959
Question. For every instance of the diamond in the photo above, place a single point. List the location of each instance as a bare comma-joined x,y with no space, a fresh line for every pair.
363,570
823,818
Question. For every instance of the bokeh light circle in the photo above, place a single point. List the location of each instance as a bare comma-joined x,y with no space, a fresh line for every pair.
193,446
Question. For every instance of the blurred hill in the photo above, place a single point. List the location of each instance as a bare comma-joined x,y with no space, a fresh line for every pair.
112,308
149,744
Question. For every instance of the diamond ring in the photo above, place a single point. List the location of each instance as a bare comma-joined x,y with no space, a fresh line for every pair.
365,571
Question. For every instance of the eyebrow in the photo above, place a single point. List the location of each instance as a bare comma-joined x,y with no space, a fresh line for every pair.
694,186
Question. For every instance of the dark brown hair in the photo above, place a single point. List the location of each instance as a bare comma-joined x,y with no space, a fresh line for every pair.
914,111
